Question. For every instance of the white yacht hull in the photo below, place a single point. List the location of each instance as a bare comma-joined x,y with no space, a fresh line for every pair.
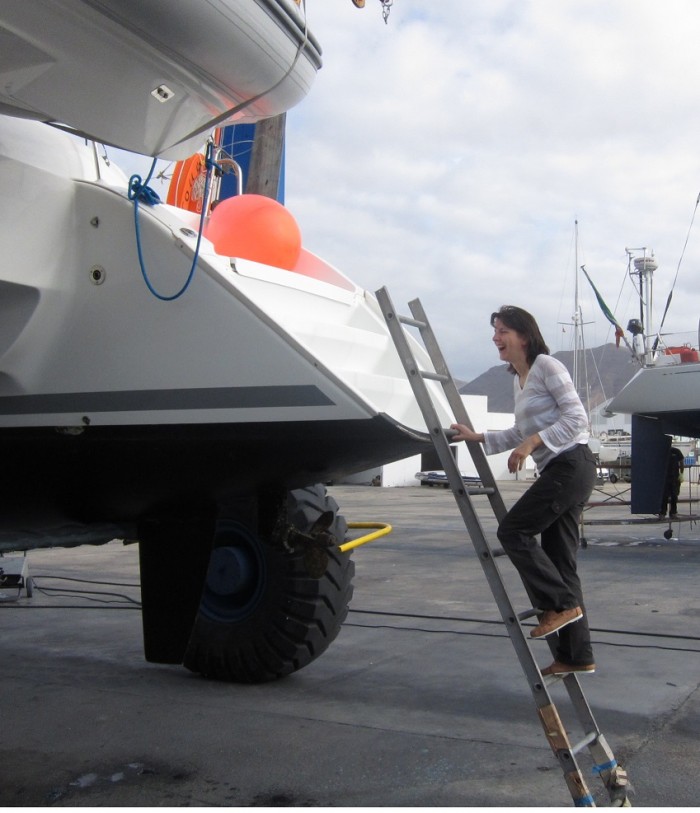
201,423
670,390
255,376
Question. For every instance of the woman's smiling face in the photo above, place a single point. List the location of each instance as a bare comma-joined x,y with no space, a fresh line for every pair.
511,345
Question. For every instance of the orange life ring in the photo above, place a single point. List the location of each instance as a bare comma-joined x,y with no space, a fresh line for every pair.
186,188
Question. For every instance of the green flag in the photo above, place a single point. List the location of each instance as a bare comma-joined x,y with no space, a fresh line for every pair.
619,332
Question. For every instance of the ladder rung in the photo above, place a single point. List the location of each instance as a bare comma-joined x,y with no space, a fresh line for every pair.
528,614
548,680
591,737
434,376
498,552
484,490
407,320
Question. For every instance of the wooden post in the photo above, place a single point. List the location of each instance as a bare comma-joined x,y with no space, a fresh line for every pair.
266,157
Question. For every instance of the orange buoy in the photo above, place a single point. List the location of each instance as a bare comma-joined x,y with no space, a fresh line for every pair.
255,227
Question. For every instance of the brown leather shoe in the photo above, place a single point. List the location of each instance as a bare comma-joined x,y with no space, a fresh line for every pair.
559,668
552,621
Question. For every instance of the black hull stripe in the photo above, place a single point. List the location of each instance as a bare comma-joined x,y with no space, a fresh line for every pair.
157,400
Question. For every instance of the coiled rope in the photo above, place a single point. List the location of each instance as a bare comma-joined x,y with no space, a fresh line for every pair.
140,192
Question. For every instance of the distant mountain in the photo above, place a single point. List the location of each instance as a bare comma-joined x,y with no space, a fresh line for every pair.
608,368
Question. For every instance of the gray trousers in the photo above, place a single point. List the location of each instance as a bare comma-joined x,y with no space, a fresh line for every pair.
552,508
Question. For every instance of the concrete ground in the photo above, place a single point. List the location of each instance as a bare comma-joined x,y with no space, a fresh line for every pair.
419,702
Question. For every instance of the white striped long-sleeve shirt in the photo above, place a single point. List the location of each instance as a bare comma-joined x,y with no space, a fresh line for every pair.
548,404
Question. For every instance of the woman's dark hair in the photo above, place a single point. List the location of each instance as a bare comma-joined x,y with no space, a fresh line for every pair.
523,323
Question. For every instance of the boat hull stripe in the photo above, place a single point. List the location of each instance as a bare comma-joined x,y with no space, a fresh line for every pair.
156,400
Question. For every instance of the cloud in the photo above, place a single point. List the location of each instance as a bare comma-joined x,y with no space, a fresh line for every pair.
447,155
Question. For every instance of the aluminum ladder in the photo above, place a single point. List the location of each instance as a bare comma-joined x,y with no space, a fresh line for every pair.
613,775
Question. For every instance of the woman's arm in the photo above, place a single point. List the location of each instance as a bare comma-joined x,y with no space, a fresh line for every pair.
465,433
517,457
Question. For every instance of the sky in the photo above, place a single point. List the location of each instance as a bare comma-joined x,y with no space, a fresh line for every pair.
449,153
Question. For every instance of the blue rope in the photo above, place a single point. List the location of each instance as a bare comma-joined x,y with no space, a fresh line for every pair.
141,192
584,801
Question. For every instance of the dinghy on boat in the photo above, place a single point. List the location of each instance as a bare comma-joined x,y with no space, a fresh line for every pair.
153,76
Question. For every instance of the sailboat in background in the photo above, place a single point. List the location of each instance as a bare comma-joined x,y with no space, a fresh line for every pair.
663,397
668,383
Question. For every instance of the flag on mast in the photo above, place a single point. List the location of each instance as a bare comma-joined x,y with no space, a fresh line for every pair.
619,332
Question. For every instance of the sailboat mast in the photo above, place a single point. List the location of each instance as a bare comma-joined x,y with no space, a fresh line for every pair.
580,367
579,372
577,311
644,267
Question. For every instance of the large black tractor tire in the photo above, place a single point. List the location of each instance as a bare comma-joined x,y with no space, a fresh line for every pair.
272,600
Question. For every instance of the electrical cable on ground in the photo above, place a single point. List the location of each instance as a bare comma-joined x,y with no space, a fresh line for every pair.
133,604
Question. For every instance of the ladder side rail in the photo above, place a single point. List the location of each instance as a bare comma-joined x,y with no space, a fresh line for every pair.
613,776
548,714
454,398
491,570
464,503
599,748
457,405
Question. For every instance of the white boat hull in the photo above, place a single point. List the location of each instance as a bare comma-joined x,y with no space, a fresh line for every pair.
669,393
256,375
201,423
669,388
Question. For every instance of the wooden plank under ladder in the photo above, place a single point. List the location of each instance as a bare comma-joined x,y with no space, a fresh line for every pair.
612,775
